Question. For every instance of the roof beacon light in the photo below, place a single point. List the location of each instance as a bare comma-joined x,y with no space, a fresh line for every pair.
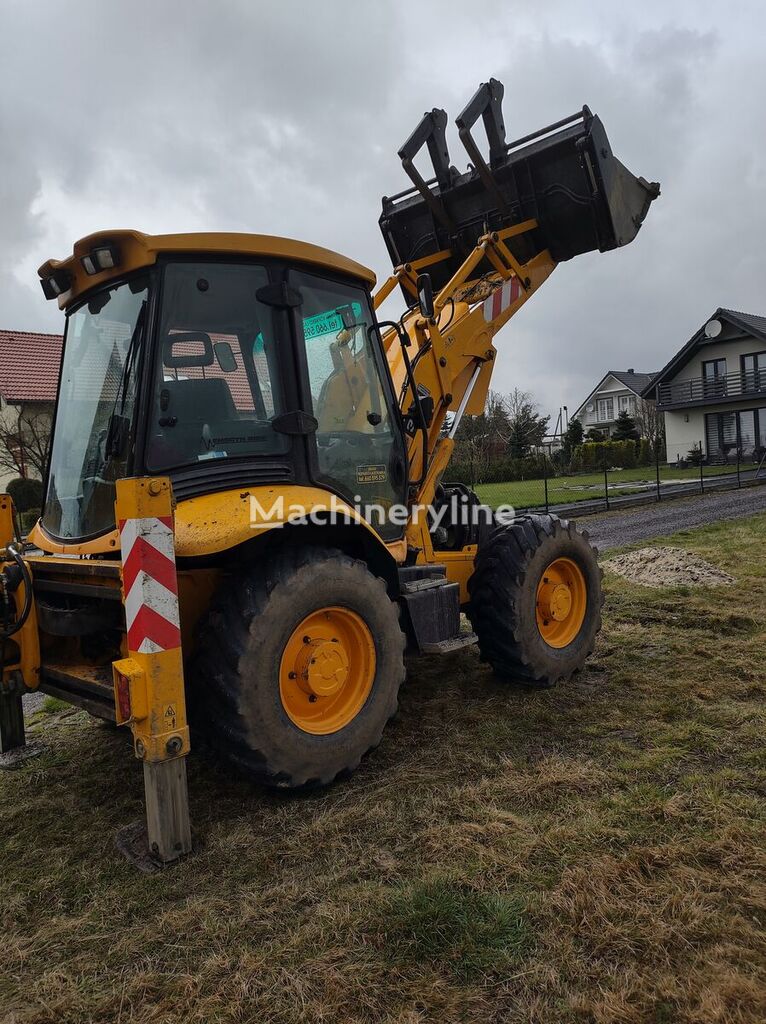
105,257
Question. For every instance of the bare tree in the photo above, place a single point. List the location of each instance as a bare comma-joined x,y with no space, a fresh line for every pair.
509,426
480,439
24,442
650,422
527,427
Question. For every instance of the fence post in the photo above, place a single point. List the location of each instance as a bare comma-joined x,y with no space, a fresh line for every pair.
545,480
702,470
657,468
739,478
606,483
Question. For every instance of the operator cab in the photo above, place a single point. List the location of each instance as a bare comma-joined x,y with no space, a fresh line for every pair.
221,371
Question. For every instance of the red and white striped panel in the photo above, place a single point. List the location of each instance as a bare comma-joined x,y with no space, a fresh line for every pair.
501,299
150,584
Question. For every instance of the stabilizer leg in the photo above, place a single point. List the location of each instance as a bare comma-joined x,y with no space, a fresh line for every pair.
167,809
149,683
11,722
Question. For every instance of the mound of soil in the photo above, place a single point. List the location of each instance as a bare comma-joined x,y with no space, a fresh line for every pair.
667,567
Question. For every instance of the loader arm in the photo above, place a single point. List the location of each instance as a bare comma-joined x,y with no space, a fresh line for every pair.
488,239
454,352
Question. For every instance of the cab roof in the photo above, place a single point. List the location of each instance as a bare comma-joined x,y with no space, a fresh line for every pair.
137,250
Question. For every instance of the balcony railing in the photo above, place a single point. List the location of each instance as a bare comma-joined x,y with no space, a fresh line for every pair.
712,389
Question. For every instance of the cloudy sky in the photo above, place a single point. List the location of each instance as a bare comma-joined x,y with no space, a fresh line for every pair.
284,118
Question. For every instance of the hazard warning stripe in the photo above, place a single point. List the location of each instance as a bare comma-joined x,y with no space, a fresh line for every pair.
145,557
150,584
151,632
501,299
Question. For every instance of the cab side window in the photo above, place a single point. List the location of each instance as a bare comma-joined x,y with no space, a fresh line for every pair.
217,386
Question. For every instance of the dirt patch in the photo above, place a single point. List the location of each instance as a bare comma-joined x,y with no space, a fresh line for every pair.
667,567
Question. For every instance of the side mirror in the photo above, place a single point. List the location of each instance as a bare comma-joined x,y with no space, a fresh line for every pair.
425,296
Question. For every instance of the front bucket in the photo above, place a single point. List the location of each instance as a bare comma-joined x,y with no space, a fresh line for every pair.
564,176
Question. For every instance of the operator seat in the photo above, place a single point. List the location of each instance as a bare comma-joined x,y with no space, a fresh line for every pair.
205,400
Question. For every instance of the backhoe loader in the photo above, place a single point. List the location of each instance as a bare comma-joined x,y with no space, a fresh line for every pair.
248,516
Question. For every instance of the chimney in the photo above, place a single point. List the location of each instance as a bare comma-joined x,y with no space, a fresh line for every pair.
631,370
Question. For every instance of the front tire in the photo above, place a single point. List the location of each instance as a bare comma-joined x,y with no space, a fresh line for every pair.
535,600
298,668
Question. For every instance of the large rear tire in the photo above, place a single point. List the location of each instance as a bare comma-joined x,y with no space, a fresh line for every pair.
298,667
535,600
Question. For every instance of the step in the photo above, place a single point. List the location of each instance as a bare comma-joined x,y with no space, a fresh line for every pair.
88,687
455,643
415,586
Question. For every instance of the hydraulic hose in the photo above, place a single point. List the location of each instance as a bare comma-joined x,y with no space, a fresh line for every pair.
7,629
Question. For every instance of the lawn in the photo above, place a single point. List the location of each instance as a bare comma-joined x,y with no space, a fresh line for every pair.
590,486
593,853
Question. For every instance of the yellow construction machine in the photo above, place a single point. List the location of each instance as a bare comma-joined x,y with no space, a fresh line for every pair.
248,516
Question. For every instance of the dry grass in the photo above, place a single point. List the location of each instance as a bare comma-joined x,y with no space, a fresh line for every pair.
595,853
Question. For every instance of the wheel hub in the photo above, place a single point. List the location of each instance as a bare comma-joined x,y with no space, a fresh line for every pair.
555,600
562,600
327,667
327,670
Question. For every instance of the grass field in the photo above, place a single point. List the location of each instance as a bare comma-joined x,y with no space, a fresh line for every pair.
594,853
590,486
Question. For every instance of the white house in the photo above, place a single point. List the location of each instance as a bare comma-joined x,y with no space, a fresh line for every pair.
713,391
618,391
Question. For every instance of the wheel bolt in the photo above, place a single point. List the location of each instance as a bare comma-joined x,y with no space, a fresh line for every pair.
307,639
312,698
291,675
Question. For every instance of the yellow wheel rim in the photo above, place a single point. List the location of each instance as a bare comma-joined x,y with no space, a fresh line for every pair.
327,670
562,600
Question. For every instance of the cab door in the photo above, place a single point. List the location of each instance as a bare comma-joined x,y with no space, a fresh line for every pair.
358,447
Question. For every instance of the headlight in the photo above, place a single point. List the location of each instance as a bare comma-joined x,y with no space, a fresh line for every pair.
56,284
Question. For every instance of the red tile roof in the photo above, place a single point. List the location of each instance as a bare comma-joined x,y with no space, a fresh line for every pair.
29,366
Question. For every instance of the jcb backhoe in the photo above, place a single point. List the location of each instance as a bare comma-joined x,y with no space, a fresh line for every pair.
248,513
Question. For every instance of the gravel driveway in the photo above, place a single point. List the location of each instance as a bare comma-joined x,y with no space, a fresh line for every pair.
613,529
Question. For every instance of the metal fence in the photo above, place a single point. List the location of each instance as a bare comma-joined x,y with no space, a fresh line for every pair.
547,481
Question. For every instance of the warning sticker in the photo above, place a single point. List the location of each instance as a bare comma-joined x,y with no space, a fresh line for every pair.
371,474
171,711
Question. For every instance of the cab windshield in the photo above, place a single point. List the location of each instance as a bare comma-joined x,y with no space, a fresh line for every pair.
93,432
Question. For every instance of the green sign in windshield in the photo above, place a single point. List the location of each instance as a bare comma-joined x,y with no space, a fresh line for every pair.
331,322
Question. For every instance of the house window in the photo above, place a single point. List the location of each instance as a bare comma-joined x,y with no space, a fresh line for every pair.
728,431
754,371
746,430
714,377
626,403
605,410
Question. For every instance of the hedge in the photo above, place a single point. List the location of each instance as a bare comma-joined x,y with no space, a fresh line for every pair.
27,494
500,470
594,455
